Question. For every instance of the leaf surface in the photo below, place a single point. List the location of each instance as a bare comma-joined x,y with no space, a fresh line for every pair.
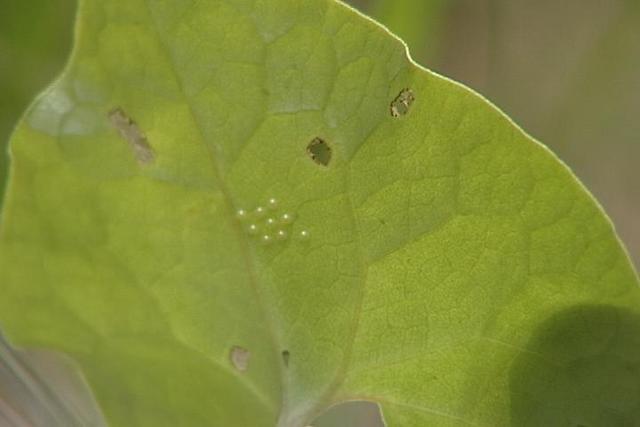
241,212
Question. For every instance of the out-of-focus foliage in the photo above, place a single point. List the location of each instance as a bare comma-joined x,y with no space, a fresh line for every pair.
35,38
418,23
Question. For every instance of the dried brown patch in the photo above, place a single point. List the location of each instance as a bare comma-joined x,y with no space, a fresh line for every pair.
240,358
131,133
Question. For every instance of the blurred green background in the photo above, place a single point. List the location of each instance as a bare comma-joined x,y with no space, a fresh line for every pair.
567,71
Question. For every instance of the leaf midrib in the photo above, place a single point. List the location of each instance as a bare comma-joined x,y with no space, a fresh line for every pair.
326,398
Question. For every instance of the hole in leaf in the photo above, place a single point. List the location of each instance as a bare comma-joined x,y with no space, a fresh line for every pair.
239,358
319,151
401,104
351,414
130,132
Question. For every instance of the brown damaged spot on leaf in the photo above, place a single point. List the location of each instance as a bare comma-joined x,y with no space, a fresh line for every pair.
401,104
131,133
239,358
285,357
319,151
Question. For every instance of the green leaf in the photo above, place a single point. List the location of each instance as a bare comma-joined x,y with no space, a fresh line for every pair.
568,72
423,252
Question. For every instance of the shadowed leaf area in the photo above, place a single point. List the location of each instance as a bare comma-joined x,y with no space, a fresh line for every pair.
244,212
582,368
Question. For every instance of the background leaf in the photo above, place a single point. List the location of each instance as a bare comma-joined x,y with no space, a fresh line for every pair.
433,265
420,24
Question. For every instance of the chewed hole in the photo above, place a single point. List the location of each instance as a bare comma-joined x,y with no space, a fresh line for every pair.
239,358
351,414
130,132
319,151
401,104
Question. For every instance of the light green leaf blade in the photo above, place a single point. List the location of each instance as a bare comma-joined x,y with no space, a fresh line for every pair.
431,257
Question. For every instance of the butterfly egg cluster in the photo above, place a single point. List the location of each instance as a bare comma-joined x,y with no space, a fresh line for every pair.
268,224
